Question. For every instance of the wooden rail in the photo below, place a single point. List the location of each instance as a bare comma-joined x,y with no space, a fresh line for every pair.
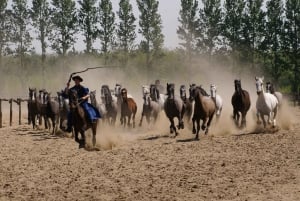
18,101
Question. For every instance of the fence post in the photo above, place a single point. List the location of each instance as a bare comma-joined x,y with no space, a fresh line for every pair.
10,112
0,113
20,110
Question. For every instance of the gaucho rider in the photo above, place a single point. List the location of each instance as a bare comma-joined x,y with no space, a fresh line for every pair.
83,94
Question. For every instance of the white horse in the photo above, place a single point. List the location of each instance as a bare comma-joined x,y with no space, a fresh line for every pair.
277,94
266,104
217,99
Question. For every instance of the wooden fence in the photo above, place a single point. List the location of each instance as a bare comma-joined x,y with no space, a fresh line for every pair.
18,101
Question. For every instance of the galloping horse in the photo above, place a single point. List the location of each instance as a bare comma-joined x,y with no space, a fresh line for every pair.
241,103
111,105
217,99
270,89
80,120
156,95
128,108
64,109
52,111
100,106
187,102
204,110
266,104
174,107
150,107
33,107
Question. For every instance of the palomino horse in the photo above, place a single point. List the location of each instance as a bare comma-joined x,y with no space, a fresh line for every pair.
266,104
174,107
128,109
52,111
204,110
150,107
187,102
270,89
241,103
80,120
64,109
217,99
110,103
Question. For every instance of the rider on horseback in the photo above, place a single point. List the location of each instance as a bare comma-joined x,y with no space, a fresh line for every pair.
83,95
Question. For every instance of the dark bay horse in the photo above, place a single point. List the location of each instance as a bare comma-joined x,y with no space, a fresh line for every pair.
151,108
187,102
110,103
204,109
128,108
174,107
241,104
80,120
52,111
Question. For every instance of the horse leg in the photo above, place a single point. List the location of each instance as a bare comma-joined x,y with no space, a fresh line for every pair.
274,116
129,119
193,121
263,119
82,141
208,123
94,129
243,124
258,120
172,126
133,120
198,129
204,123
141,121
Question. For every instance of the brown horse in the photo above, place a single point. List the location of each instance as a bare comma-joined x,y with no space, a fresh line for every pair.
52,112
204,109
174,107
241,103
80,120
128,109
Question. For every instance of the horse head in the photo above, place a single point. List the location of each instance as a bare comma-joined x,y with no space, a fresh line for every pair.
259,85
93,97
145,90
182,92
270,88
124,93
106,94
118,88
73,99
238,86
154,93
192,91
213,91
170,90
32,94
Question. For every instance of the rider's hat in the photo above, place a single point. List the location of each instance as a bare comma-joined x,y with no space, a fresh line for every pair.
77,77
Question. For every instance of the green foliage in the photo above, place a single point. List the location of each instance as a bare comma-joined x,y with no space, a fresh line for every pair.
5,28
210,21
150,28
41,20
107,25
188,24
88,18
65,25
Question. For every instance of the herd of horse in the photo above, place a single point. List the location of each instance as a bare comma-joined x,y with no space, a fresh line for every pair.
199,106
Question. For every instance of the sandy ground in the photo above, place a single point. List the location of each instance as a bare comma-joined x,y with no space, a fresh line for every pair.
147,164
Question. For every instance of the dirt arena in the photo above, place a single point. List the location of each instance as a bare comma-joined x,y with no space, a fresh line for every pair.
147,164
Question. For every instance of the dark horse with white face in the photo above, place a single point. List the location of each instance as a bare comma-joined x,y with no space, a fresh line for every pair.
241,103
174,107
80,120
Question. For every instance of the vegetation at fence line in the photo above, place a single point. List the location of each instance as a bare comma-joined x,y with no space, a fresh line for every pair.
240,37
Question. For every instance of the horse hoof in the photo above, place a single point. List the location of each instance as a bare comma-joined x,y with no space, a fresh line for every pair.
194,131
197,138
203,127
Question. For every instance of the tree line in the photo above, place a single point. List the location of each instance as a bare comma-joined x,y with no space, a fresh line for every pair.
257,35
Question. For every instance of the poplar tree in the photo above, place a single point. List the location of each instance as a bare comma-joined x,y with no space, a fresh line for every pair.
126,28
210,21
88,19
41,20
188,24
64,21
150,27
5,29
107,26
